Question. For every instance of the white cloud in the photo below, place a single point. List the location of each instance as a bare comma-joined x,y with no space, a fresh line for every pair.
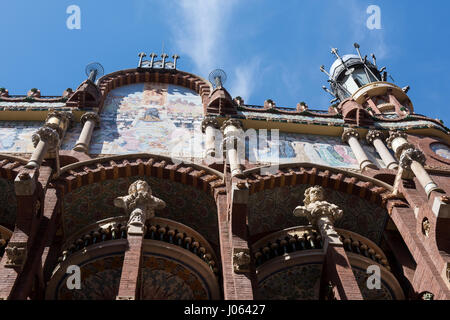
245,77
200,28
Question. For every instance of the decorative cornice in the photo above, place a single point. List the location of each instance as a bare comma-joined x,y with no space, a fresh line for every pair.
92,171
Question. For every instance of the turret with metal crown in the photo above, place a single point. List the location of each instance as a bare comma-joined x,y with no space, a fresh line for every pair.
363,91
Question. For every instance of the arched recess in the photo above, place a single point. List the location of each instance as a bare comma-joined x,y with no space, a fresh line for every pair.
290,263
273,198
88,190
176,77
173,267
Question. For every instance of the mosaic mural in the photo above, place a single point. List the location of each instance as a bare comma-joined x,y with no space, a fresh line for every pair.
271,210
324,150
71,136
15,136
99,281
149,117
185,204
165,279
441,150
384,293
8,204
300,282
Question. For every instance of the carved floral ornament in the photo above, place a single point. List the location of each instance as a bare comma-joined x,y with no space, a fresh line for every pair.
61,115
410,155
90,116
47,135
209,121
372,135
394,135
348,133
140,204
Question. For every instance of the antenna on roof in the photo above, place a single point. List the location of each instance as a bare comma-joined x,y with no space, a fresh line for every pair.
374,59
364,62
335,52
94,70
217,78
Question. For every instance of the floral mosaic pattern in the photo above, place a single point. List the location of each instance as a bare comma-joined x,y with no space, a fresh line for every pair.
441,150
8,204
149,117
301,282
384,293
15,136
271,210
99,281
185,204
164,279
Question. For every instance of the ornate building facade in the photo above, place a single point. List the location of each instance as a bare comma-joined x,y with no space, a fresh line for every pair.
153,183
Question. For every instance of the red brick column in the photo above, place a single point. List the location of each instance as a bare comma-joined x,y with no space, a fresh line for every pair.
129,279
338,270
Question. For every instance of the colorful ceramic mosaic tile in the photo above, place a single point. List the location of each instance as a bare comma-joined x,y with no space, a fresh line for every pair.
441,150
149,117
15,136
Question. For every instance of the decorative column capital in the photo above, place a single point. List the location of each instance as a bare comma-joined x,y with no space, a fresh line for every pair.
209,121
372,135
316,208
348,133
90,116
140,204
47,135
232,122
394,135
410,155
62,115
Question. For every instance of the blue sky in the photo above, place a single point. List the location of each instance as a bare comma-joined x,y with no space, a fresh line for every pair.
269,49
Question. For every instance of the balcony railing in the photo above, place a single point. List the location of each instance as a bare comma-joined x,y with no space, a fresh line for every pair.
307,238
158,229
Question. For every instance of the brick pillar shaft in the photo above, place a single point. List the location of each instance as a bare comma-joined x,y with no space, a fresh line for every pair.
129,286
